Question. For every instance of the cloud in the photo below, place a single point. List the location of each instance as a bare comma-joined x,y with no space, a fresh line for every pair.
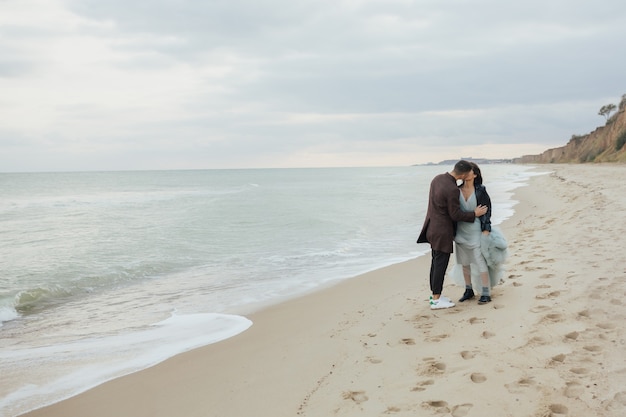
241,83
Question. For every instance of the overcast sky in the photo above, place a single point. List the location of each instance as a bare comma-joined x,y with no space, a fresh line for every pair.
194,84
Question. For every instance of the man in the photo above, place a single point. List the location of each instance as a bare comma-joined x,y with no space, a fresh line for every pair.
444,210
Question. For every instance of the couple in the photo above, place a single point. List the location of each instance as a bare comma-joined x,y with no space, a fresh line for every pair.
461,216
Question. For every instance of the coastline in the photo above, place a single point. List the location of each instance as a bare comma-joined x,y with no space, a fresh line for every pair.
549,343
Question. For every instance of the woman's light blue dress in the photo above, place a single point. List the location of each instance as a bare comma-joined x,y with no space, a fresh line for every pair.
468,251
468,238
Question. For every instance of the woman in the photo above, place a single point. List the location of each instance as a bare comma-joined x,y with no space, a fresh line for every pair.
468,235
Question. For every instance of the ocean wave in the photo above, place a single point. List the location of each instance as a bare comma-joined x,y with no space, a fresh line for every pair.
36,299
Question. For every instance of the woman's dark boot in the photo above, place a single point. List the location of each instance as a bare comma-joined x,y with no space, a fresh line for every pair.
484,299
467,295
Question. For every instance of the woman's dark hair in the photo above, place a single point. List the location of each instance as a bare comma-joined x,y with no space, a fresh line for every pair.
479,177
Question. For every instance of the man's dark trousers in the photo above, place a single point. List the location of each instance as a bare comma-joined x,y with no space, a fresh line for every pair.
438,266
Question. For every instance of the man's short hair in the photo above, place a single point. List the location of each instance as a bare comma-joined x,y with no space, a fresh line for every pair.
462,167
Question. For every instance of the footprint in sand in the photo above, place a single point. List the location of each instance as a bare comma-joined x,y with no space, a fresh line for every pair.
533,268
559,358
573,389
432,368
373,360
422,322
584,314
356,396
487,334
466,354
437,367
475,320
594,348
543,286
517,284
461,410
538,340
606,326
539,309
545,276
422,385
518,386
392,410
437,338
440,407
551,294
552,317
478,378
407,341
526,382
579,371
557,410
572,335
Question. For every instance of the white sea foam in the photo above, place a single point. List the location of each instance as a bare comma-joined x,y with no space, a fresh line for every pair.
65,369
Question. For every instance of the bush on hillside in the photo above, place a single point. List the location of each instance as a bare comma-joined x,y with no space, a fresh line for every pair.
621,140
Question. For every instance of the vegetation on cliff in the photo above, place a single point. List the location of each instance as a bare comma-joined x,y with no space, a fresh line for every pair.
605,144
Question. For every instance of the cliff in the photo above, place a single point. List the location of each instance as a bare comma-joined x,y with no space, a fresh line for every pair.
605,144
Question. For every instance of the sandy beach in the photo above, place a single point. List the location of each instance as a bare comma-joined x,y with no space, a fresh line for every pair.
551,344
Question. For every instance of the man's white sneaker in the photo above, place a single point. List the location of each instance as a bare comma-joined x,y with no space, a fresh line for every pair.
440,303
441,297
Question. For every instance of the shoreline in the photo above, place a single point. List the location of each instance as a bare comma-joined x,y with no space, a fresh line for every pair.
371,345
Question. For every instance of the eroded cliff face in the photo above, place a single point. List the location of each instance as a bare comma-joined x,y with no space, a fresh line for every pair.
597,146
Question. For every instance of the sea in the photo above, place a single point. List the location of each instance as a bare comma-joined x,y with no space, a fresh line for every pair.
106,273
